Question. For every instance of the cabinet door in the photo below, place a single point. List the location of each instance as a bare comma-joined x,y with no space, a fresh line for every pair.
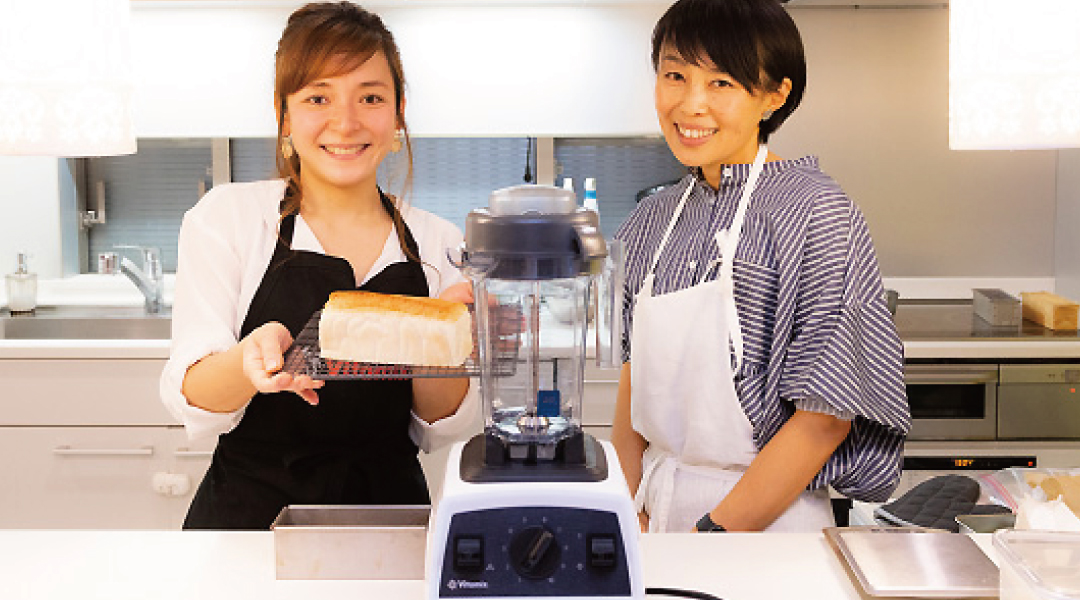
601,389
39,392
95,477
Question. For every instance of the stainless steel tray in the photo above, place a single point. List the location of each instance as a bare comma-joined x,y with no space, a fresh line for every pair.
350,542
911,562
985,523
304,358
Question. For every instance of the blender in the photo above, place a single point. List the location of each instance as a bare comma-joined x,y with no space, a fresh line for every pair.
535,506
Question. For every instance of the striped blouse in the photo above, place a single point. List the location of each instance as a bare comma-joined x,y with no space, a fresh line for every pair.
817,333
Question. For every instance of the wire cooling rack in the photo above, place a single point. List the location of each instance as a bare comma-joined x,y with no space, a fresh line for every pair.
304,358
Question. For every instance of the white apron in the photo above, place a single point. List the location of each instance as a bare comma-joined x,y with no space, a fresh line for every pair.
683,398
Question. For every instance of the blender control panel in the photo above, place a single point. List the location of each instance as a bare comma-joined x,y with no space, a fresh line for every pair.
534,551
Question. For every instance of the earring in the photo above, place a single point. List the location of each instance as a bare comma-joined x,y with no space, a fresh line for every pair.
768,115
399,135
286,147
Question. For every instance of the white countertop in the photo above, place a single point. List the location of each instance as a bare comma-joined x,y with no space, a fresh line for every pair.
166,565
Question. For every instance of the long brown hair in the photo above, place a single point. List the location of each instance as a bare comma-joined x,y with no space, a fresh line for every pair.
327,39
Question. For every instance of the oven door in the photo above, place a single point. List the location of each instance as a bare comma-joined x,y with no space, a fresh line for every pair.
952,402
1039,402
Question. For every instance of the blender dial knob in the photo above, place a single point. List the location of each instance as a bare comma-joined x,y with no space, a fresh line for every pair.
534,553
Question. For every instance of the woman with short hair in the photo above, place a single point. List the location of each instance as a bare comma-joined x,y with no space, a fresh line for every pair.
761,363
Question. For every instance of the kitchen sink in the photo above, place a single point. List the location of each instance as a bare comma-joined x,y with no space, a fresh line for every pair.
85,323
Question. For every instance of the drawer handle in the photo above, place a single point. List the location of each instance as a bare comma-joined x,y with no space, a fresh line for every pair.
69,451
189,453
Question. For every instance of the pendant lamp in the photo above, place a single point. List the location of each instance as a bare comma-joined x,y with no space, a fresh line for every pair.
65,78
1014,74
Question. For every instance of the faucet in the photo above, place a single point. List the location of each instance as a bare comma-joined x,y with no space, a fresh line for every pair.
149,279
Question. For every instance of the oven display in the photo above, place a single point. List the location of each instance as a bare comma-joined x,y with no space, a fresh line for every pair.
966,463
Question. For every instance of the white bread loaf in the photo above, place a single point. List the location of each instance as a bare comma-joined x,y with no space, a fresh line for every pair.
400,330
1050,310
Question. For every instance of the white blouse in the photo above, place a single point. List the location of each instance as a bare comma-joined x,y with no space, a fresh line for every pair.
225,245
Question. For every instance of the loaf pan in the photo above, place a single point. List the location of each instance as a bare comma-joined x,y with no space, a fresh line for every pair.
350,542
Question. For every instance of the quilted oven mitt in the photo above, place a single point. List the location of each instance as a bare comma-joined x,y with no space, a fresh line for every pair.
935,503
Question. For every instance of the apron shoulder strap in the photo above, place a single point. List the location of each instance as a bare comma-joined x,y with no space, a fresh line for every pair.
413,253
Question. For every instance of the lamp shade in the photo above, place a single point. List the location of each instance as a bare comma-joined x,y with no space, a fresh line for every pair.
1014,74
65,78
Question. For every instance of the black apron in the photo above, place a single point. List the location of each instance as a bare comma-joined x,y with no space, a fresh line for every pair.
352,448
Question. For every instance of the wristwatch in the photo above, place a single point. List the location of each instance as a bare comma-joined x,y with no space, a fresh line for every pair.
707,525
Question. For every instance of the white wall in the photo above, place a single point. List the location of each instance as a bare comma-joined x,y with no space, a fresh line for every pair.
30,203
1067,225
876,112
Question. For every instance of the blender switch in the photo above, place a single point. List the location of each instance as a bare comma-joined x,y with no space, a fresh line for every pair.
468,553
602,552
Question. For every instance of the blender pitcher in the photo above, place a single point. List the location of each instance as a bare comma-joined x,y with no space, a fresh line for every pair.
547,289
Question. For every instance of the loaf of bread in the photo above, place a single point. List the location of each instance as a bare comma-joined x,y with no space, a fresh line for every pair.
400,330
1050,310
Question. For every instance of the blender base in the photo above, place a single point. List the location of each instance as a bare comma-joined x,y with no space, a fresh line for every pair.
485,459
553,537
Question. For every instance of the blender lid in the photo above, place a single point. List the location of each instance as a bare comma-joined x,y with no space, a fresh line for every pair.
533,232
532,199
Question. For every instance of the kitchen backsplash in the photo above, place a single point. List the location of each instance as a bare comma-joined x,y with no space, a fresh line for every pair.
148,192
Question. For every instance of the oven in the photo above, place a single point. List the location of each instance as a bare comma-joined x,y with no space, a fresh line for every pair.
976,418
1037,401
952,401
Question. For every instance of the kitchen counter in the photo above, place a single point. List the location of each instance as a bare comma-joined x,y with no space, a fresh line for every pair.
937,329
951,330
99,292
165,565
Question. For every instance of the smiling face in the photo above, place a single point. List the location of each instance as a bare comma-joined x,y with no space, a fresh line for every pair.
708,119
343,126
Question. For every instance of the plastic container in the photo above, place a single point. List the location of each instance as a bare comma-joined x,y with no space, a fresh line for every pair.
1038,565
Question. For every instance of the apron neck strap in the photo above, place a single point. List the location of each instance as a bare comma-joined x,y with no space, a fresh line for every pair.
731,239
670,226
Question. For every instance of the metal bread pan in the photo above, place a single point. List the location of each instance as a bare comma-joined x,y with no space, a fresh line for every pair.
350,542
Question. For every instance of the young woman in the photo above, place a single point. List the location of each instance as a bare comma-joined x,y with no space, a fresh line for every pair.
256,260
763,364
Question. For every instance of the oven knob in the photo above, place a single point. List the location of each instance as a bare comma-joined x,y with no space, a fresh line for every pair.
534,553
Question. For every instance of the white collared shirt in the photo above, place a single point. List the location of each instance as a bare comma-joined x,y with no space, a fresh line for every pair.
225,245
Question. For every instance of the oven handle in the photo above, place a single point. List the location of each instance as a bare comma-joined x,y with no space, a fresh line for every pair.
952,378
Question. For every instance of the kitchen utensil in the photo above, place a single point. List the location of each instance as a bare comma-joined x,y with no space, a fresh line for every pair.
350,542
985,523
996,307
913,562
534,506
303,358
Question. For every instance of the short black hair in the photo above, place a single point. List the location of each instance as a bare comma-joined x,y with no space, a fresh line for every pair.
754,41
